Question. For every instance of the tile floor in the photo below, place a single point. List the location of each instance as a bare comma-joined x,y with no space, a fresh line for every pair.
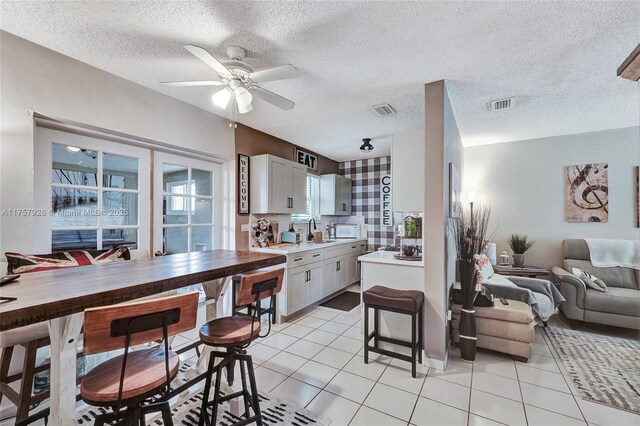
316,361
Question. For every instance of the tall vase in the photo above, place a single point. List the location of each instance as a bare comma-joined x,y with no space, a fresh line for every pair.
467,274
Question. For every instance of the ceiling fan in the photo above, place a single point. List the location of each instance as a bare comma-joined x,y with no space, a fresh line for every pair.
240,79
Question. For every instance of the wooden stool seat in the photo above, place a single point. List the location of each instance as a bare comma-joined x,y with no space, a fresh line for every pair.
145,373
229,331
405,300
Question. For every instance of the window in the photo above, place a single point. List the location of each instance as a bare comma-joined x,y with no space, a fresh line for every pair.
185,220
91,190
313,200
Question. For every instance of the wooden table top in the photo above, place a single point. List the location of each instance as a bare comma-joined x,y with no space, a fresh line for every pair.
52,294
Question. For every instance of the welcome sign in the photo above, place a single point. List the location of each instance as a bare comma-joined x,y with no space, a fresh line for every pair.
243,184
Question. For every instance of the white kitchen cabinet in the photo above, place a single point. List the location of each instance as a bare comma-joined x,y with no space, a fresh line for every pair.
352,268
277,185
314,285
335,274
335,195
304,286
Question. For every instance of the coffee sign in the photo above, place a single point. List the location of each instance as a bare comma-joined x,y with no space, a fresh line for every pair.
306,158
386,201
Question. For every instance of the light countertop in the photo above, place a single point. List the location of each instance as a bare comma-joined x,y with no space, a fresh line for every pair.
306,246
387,257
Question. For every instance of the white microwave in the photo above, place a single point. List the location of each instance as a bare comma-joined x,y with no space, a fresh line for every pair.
346,230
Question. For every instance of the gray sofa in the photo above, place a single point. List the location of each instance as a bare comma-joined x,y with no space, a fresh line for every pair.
618,306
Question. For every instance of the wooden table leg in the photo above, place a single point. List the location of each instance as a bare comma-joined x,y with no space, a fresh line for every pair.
64,332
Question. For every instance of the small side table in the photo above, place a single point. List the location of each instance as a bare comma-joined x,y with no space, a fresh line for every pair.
520,271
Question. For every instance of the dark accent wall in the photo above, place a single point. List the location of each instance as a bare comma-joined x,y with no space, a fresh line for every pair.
250,142
365,195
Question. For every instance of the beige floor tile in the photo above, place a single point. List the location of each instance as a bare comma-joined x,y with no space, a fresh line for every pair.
368,417
448,393
346,319
391,401
261,353
432,413
315,374
297,330
321,337
496,408
605,416
267,379
401,379
355,332
558,402
350,386
542,362
295,392
454,373
496,385
371,371
311,322
475,420
346,344
279,341
334,327
304,348
538,377
539,417
324,314
285,363
495,363
541,349
333,357
339,410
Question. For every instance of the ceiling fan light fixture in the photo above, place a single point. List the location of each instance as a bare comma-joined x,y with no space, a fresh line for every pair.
243,109
73,149
366,145
222,98
243,96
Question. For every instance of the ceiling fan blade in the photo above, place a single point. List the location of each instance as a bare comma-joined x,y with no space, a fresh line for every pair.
272,98
277,73
192,83
208,59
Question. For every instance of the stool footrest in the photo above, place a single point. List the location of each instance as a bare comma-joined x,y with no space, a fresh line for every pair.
395,341
389,353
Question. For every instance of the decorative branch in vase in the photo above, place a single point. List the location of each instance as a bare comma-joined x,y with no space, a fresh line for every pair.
469,230
519,245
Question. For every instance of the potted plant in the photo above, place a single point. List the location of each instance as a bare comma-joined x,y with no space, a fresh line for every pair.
519,245
469,228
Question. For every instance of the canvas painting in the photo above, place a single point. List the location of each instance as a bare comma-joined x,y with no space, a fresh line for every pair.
587,193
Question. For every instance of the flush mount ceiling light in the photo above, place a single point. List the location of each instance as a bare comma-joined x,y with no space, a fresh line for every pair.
73,149
366,145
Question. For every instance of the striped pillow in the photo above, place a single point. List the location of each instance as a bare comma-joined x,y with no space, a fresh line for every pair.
25,263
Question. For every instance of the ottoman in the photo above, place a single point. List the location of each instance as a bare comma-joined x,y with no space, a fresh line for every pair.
502,328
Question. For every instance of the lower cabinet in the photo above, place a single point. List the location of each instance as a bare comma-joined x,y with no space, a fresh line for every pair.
304,286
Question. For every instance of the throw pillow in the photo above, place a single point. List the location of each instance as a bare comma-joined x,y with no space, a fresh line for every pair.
25,263
590,280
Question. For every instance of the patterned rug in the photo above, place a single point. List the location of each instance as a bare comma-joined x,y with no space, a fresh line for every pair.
604,369
187,412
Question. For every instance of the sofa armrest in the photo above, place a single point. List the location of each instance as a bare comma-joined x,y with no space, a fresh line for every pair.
567,277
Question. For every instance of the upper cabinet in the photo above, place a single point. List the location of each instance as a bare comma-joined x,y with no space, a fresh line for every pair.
407,171
277,185
335,195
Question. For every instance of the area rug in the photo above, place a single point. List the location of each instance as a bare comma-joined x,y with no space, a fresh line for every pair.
604,369
187,412
345,301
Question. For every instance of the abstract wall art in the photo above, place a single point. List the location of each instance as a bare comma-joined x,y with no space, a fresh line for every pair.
587,193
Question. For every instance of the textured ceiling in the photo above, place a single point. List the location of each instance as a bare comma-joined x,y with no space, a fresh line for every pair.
558,58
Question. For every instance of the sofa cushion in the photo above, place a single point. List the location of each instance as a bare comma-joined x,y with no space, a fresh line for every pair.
590,280
24,263
613,277
622,301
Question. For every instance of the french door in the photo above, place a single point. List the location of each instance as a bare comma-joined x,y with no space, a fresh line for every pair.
187,201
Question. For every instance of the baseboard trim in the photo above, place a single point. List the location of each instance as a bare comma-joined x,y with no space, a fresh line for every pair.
438,364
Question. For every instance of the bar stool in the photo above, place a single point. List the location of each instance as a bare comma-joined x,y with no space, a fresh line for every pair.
408,302
237,308
130,379
235,333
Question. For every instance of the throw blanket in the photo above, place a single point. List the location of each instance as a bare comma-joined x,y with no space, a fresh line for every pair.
524,292
612,253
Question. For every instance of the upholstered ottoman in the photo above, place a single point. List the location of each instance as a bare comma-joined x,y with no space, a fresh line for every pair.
503,328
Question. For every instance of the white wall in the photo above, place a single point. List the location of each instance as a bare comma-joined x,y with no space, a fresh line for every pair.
443,145
524,184
36,79
407,171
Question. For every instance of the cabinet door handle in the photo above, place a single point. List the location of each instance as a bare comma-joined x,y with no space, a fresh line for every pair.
297,259
316,255
354,246
344,207
309,272
291,202
338,266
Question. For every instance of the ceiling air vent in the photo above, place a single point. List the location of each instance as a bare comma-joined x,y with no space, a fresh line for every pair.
502,104
383,110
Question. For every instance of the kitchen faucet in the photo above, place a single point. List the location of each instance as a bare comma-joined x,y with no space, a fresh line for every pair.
310,236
